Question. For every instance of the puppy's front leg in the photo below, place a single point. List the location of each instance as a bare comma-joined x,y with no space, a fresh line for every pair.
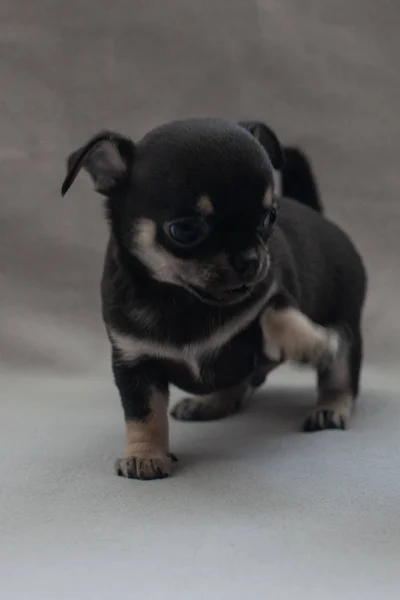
145,401
289,335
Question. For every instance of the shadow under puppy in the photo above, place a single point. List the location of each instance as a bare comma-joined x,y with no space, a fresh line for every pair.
211,280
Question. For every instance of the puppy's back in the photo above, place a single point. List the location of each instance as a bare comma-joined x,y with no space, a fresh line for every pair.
317,261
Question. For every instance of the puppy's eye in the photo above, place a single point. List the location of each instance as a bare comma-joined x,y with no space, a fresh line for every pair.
188,232
268,221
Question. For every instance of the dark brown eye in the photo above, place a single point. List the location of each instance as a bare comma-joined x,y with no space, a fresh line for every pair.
188,232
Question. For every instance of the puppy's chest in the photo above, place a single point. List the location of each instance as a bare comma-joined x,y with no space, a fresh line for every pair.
218,362
214,368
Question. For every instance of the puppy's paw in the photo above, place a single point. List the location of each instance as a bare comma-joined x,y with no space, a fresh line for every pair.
325,419
330,415
145,468
204,409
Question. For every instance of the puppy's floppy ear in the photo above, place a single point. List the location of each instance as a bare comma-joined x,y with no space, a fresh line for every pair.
107,157
268,140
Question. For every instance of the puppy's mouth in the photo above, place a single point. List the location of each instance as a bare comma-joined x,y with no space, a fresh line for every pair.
221,297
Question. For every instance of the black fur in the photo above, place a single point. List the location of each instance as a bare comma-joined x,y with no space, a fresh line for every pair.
314,264
298,179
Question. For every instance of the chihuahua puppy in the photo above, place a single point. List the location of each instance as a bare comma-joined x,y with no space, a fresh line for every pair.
210,280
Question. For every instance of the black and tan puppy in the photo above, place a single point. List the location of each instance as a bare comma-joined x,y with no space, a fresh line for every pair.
202,289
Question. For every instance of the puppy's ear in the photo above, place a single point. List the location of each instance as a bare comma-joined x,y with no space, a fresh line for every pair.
107,157
268,140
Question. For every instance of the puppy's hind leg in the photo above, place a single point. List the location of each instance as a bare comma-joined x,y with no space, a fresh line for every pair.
211,406
338,387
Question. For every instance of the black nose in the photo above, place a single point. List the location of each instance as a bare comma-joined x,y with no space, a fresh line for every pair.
246,268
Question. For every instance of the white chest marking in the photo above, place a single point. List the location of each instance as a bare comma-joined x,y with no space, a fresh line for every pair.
133,348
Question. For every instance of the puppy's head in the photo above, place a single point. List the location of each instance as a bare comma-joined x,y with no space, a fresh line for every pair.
193,201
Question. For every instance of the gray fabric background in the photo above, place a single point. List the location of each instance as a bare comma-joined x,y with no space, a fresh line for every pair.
323,74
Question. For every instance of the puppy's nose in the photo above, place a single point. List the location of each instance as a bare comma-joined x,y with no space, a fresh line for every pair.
246,268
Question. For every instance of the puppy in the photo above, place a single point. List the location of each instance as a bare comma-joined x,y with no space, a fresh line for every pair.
210,280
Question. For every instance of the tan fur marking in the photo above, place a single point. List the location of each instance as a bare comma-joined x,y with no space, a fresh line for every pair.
160,262
149,439
291,334
341,403
204,206
146,232
268,198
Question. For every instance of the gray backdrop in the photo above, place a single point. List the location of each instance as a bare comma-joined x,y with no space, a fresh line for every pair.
322,73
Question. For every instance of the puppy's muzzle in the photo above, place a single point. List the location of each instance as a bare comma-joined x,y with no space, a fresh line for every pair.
222,296
233,286
246,268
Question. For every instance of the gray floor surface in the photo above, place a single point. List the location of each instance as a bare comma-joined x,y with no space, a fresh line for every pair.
255,508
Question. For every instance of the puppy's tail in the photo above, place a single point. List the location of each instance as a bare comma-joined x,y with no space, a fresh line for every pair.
298,180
